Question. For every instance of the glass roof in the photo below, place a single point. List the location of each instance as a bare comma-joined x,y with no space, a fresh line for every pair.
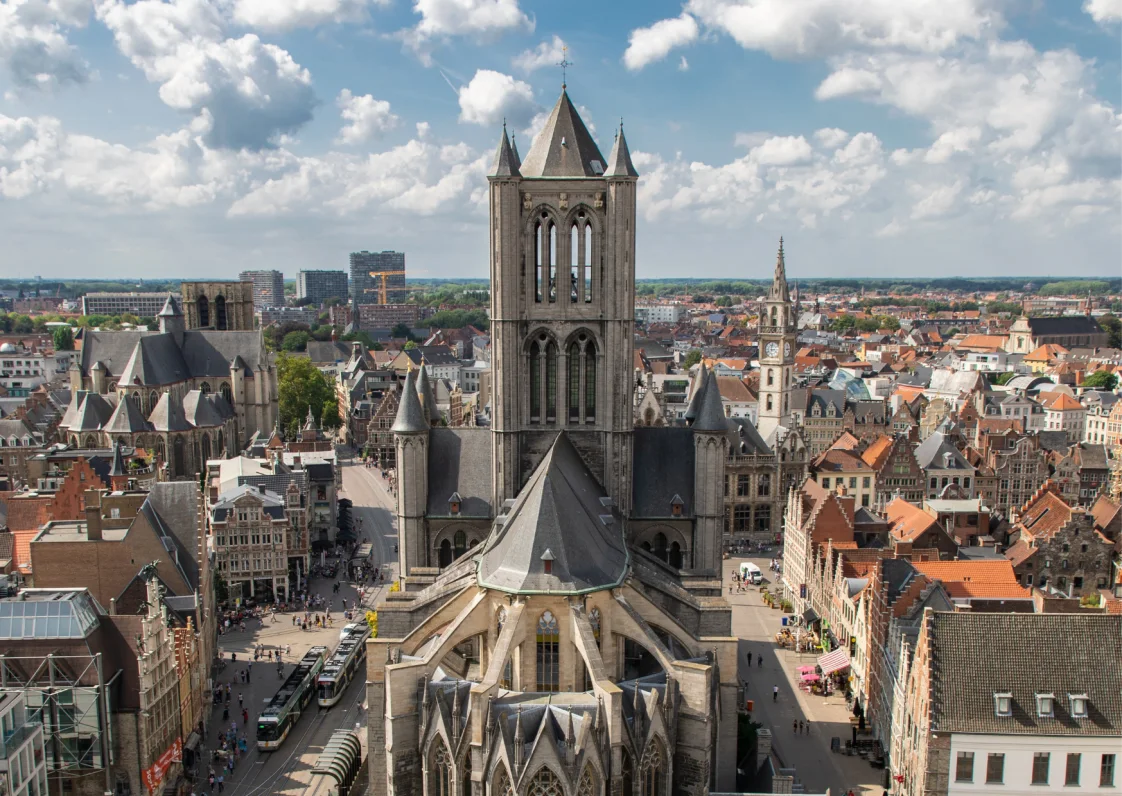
59,615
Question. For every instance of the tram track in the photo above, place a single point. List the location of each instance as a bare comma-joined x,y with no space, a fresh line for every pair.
253,788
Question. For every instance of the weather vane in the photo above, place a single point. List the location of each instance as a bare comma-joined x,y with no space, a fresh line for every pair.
564,64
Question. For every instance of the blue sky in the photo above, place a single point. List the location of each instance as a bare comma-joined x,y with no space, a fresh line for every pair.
880,137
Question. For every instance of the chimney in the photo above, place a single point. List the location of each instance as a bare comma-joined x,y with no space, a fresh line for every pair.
296,462
93,523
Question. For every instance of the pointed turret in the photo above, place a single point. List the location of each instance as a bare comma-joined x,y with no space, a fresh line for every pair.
428,398
506,161
619,162
779,291
514,149
309,421
564,147
710,411
118,475
410,416
171,320
695,400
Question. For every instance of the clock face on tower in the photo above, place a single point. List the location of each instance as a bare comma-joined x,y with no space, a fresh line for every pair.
771,349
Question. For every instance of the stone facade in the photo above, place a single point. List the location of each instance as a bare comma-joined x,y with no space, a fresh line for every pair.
222,306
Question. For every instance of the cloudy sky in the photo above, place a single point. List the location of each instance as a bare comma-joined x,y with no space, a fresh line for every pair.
880,137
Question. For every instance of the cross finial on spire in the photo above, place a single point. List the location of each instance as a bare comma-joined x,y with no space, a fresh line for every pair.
564,63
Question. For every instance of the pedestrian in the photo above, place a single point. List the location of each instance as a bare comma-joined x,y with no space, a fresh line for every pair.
221,783
749,659
239,699
775,693
808,726
795,725
248,669
800,727
760,661
245,716
225,712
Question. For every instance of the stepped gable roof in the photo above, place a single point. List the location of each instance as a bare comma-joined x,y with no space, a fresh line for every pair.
460,462
168,415
564,517
410,416
664,461
710,410
127,418
619,161
975,655
564,147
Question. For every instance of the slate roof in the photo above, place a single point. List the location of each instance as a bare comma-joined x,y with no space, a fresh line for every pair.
1063,325
619,161
564,147
930,452
127,418
172,510
460,461
410,414
560,514
155,358
824,399
114,349
169,415
271,504
92,414
664,462
974,655
710,409
506,162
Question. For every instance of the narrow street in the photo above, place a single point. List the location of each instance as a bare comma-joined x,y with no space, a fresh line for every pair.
816,767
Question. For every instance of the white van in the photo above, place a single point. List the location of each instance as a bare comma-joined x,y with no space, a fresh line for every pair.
751,573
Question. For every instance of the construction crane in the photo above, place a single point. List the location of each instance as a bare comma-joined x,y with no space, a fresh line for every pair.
381,289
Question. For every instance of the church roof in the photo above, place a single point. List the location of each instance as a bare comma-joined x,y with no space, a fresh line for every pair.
171,308
710,410
410,416
564,516
460,463
93,413
619,161
564,147
425,393
168,415
127,417
664,467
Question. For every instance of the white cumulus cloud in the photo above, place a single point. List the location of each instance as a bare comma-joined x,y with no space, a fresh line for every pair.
282,15
647,45
1104,11
250,92
476,18
492,96
365,117
548,53
34,49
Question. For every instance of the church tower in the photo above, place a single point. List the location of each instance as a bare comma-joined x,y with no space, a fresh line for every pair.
562,303
778,327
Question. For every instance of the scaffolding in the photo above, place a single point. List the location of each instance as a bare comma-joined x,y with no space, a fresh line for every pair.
69,696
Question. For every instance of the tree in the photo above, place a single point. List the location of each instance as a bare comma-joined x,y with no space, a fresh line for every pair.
64,339
300,386
724,301
364,338
401,330
410,345
1001,379
1113,328
844,323
701,298
693,356
1101,380
329,417
295,341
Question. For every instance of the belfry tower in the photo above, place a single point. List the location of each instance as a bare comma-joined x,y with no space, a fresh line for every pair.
778,329
562,303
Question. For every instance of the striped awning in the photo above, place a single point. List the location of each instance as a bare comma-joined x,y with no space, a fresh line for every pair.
834,661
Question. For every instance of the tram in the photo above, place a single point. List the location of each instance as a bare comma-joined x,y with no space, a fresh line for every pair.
284,709
342,665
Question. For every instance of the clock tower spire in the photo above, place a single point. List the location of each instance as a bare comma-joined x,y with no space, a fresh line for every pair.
777,330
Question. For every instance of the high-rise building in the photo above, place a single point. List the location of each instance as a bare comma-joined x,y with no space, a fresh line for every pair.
144,305
319,286
365,288
268,288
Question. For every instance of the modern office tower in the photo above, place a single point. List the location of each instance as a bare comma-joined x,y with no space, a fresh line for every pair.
268,288
144,305
365,288
319,286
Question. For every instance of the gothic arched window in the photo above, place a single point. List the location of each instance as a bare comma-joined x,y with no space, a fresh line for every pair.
548,646
501,784
545,783
459,544
464,774
581,362
543,380
444,556
204,388
580,259
179,463
675,556
226,393
652,771
220,312
770,377
153,399
203,306
206,450
587,785
440,771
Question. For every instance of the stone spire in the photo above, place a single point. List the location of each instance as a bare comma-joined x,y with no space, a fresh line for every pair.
410,415
425,393
619,162
514,149
564,147
519,743
779,291
506,160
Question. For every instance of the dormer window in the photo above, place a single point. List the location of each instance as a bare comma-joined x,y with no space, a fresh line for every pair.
676,504
1045,705
1078,705
1002,703
547,561
454,503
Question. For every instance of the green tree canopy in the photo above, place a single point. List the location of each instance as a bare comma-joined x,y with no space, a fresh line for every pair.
364,338
1113,328
295,341
693,356
1101,380
329,419
458,319
1074,287
301,385
64,339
